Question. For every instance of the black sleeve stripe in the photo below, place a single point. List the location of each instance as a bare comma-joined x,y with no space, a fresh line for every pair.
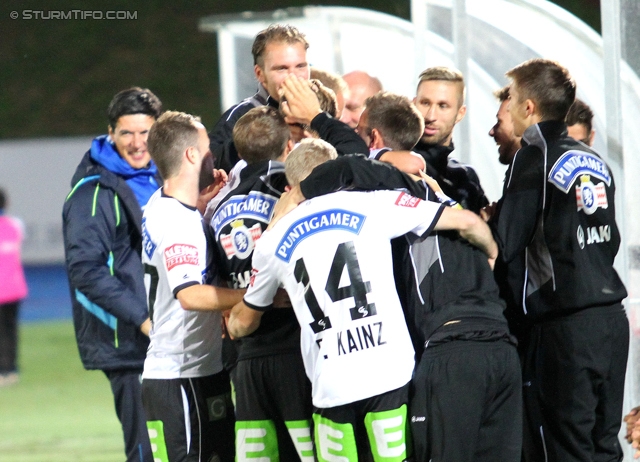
258,308
183,286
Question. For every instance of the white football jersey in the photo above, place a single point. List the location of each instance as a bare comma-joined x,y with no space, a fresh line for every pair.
184,344
333,256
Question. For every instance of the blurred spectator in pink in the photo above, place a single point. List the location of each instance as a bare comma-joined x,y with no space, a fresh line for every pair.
13,289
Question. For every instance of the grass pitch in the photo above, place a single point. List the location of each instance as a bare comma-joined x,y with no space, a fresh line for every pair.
58,412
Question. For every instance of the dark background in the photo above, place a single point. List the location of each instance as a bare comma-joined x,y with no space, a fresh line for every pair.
58,76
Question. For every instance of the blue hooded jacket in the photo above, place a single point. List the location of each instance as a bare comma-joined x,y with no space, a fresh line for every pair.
102,219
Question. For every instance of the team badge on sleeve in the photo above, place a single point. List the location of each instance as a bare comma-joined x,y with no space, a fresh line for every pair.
572,164
590,197
147,244
407,200
241,241
180,254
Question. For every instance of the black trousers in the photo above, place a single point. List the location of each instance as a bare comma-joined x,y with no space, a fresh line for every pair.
574,374
272,390
190,419
466,403
9,337
376,425
127,395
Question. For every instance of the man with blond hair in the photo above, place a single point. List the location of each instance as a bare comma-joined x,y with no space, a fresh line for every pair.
278,50
440,99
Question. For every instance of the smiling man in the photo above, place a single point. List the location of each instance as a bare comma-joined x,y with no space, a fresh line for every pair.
502,132
103,242
440,100
278,51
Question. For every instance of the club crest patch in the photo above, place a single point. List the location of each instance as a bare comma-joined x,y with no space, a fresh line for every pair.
241,241
590,197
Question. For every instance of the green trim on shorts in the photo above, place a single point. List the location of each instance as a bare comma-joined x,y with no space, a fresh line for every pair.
300,432
388,435
156,438
334,440
256,439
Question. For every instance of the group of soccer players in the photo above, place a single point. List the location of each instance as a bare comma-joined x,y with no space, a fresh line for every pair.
343,279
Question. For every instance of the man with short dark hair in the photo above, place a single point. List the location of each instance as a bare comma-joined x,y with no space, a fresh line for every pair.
509,280
558,215
185,390
103,240
391,126
502,131
580,122
392,117
440,100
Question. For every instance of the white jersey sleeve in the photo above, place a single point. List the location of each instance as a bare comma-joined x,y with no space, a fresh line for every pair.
264,280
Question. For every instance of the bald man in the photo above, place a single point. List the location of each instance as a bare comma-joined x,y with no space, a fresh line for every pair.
361,86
